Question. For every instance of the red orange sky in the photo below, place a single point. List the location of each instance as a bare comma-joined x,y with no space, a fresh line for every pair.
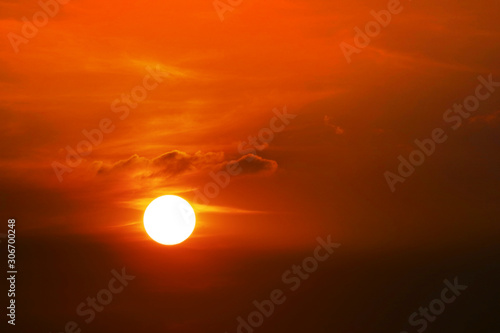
323,174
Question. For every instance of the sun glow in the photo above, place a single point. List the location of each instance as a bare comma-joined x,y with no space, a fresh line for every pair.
169,220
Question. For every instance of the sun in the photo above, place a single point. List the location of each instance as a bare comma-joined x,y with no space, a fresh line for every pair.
169,220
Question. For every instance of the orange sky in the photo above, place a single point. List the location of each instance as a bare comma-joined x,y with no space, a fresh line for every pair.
323,174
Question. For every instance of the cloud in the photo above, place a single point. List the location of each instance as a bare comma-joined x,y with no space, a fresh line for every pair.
328,122
176,163
488,119
253,164
172,163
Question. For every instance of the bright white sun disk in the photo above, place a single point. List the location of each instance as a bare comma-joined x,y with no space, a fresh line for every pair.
169,220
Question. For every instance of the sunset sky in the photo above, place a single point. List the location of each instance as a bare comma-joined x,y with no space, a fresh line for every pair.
210,85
